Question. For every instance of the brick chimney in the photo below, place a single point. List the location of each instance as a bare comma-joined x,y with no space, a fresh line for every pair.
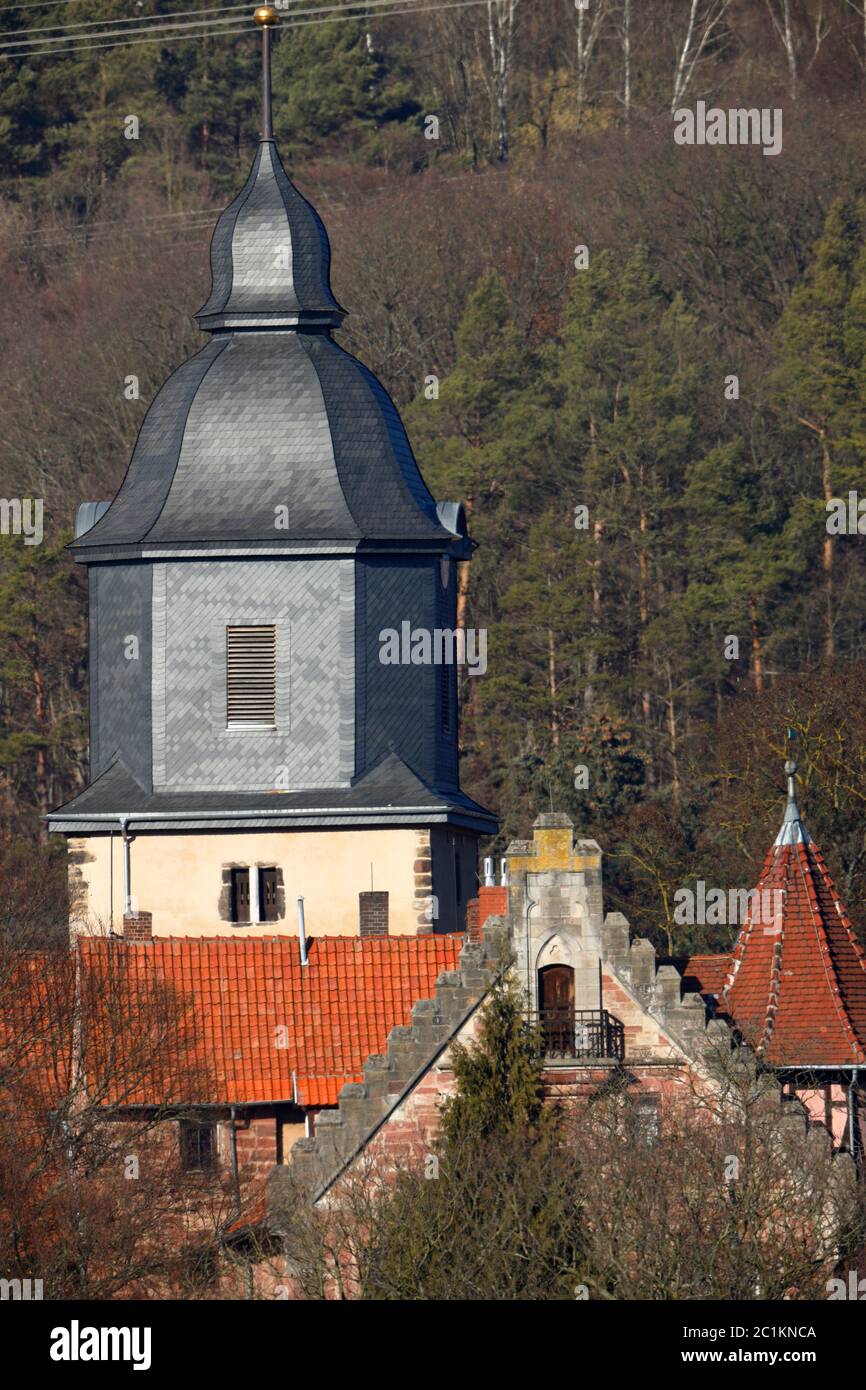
373,909
137,926
492,901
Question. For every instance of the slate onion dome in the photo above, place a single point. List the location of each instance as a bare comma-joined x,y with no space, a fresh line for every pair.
272,437
270,256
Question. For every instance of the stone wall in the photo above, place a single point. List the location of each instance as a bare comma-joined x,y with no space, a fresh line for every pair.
401,1089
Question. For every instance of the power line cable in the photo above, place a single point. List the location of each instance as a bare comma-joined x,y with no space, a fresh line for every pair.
92,230
36,5
141,20
167,221
145,24
16,48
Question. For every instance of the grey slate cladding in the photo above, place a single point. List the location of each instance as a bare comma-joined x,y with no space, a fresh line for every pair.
365,428
149,477
257,439
119,685
271,439
446,771
302,599
400,702
273,415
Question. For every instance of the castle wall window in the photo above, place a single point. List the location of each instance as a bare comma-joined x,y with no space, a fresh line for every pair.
647,1118
197,1146
251,677
251,893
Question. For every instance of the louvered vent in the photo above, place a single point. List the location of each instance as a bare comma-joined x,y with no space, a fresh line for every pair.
251,677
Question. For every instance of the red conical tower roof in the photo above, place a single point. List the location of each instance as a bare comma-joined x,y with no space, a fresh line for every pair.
796,987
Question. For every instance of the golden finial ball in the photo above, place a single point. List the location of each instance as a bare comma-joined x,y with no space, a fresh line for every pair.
265,16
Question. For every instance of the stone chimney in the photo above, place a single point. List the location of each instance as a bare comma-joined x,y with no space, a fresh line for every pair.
137,926
373,910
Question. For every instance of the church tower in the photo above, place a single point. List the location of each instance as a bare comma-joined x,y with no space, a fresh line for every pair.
249,744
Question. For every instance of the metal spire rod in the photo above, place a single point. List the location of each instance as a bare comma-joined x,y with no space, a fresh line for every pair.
267,19
793,831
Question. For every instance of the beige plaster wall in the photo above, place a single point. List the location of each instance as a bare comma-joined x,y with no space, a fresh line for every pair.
178,879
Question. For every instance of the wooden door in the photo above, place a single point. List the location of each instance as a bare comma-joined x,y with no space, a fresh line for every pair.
556,1007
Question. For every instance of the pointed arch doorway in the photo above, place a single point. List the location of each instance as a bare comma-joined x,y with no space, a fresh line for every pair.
556,1008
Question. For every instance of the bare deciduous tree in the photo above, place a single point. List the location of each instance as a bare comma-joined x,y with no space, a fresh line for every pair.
705,30
587,36
501,25
715,1188
98,1061
780,13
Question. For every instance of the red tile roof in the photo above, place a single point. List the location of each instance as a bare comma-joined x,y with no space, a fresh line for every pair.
246,1022
37,1013
797,984
707,973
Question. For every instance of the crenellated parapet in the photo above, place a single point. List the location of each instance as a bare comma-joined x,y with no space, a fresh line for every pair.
413,1052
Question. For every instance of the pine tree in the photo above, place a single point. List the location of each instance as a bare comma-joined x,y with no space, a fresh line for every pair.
625,427
485,443
41,676
495,1211
331,84
819,373
498,1076
738,561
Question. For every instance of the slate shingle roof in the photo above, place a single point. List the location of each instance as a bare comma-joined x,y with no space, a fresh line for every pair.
263,1027
390,791
272,434
270,256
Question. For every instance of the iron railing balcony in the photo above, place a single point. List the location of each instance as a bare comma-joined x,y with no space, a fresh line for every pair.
580,1033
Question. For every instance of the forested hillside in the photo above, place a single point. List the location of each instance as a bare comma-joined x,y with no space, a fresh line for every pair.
636,507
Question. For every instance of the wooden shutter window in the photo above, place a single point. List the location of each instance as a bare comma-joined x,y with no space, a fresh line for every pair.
251,677
268,895
240,895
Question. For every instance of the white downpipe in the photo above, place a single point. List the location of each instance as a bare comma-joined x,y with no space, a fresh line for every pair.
302,931
127,865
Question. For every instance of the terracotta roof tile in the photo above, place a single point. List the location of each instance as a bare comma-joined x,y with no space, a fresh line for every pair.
250,1023
797,981
706,973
